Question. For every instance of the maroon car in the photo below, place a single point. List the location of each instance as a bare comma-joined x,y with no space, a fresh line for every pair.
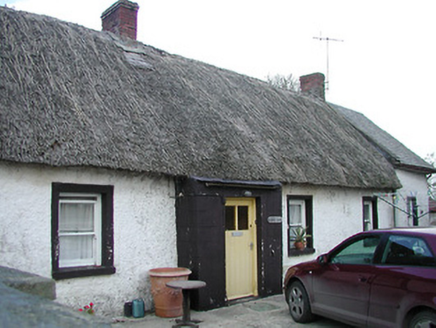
379,278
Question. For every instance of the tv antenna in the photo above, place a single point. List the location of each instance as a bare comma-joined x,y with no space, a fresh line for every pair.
327,40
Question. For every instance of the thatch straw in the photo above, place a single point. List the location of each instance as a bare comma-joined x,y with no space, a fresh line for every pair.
397,154
70,96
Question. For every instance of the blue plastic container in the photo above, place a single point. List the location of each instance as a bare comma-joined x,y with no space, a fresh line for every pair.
138,308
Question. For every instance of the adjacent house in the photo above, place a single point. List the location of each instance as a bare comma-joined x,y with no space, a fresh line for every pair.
409,204
117,157
432,210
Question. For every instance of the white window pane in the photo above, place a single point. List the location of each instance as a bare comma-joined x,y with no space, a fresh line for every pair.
76,217
76,248
295,215
366,212
367,216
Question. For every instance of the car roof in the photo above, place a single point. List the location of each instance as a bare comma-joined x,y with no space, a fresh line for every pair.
431,230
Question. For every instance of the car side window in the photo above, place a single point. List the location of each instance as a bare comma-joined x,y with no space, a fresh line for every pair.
407,250
360,251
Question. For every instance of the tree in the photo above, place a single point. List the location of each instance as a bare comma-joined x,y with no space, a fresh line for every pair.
284,82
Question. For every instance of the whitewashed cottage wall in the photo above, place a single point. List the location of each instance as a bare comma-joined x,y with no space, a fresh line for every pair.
337,214
414,184
144,231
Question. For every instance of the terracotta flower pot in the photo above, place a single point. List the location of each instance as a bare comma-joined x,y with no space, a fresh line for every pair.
300,245
168,302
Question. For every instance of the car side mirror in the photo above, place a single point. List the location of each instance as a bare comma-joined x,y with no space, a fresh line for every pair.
322,259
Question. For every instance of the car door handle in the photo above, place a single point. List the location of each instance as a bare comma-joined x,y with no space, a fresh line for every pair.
363,279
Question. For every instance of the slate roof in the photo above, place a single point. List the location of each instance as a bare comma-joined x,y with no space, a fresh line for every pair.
71,96
398,154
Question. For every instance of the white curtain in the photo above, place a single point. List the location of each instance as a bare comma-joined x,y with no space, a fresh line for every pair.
76,234
295,215
76,217
295,219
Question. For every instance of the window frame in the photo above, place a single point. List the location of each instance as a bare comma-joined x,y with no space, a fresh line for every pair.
412,210
107,241
297,202
410,240
308,221
95,201
372,201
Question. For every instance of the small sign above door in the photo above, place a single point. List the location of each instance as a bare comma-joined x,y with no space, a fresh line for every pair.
274,219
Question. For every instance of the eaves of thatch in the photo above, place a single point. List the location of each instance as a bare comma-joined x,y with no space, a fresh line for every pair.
398,155
71,96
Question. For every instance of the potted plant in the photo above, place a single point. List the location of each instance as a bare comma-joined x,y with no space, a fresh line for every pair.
299,237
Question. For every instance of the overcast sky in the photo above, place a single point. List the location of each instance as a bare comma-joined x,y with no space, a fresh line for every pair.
385,67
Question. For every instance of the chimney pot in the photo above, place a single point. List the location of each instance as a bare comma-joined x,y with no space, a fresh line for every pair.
313,84
121,19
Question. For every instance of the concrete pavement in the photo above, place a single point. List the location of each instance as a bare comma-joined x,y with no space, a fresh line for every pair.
29,304
270,312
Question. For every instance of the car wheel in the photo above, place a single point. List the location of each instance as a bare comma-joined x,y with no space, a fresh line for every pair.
298,301
424,319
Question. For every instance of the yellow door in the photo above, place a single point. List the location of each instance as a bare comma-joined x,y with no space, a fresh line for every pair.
241,264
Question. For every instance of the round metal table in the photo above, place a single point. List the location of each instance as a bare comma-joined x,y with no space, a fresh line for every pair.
186,286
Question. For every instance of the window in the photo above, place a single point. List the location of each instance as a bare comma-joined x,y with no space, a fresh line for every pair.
408,250
79,230
237,217
299,216
82,230
370,215
358,252
412,209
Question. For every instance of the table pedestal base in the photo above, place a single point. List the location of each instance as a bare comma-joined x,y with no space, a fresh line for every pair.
186,321
186,287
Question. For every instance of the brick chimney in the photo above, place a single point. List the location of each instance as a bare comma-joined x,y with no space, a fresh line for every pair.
121,18
313,84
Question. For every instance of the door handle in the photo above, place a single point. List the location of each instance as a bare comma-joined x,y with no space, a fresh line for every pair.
363,279
251,246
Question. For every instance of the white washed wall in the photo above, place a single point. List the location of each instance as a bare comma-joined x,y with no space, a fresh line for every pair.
144,231
414,184
337,214
432,219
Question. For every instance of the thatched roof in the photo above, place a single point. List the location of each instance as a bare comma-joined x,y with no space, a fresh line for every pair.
398,155
71,96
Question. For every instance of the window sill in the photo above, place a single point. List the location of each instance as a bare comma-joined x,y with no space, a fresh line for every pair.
296,252
78,272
